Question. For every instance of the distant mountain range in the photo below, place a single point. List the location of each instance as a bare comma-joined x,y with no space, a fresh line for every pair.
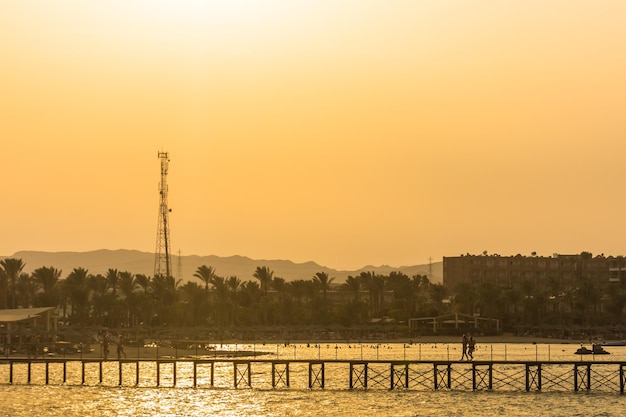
136,262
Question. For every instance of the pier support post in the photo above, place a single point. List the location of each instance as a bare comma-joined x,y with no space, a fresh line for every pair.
211,372
442,375
359,373
242,375
280,375
482,378
316,374
584,375
399,377
533,376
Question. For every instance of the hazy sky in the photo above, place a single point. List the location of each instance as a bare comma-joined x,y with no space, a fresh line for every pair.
343,132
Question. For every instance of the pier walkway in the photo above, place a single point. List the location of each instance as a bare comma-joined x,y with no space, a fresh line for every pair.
604,376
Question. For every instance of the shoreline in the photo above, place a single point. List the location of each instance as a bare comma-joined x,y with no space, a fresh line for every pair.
262,347
509,339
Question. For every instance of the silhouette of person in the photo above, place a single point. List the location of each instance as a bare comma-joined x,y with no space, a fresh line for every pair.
471,344
464,342
105,347
120,349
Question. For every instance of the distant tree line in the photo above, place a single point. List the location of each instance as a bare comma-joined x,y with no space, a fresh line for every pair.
121,299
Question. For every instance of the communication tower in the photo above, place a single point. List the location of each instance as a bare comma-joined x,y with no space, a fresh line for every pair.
162,257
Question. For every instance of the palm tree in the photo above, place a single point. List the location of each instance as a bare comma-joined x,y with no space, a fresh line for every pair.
464,298
249,296
112,277
206,274
127,285
221,299
101,299
490,301
47,277
143,281
193,298
436,293
144,300
375,284
25,291
12,268
164,293
265,276
280,309
353,284
323,281
234,285
76,286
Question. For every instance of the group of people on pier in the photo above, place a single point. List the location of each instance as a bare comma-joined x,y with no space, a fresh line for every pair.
105,347
468,344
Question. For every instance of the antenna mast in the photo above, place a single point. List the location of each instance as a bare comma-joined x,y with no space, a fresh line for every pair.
430,268
180,265
162,258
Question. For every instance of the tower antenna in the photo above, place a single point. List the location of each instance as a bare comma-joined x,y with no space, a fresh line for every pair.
162,257
179,275
430,268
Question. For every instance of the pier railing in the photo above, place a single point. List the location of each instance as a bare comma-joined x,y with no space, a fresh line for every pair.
604,376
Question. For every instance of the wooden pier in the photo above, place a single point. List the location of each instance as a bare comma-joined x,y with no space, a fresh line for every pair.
603,376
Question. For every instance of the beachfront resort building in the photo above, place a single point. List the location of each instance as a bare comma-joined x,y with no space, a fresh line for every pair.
509,271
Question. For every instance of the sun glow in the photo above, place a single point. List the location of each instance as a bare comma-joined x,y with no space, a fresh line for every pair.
217,13
376,129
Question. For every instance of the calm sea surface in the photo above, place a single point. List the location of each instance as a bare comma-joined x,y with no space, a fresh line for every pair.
107,399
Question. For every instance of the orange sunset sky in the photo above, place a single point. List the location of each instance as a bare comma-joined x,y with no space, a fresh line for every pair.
344,132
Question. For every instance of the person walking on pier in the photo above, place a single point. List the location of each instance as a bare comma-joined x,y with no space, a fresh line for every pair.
120,349
464,342
471,344
105,347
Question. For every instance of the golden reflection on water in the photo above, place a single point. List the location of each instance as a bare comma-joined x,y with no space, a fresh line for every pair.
81,401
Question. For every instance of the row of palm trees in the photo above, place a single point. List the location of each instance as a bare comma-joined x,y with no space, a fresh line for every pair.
122,299
580,302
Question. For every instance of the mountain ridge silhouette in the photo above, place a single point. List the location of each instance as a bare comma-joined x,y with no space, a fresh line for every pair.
138,262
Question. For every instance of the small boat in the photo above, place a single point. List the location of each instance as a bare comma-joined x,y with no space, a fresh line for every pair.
595,350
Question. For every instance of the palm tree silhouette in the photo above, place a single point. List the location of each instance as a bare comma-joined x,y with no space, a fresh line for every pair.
12,268
206,274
